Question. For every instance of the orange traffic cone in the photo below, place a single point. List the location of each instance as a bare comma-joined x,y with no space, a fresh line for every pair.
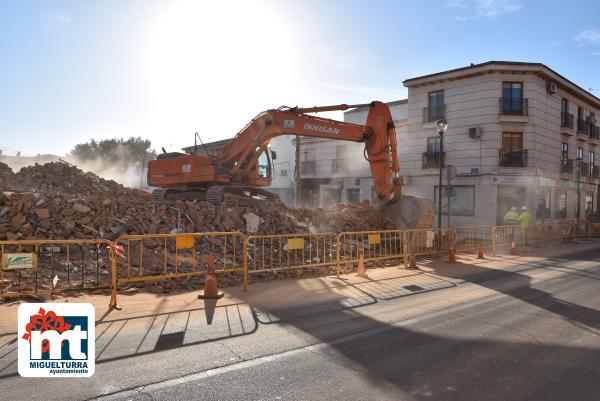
211,290
361,271
451,256
513,248
480,252
412,260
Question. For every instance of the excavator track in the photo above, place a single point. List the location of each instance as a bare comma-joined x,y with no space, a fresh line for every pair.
214,195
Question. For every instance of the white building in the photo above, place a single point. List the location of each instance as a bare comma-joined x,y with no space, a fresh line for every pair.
512,137
334,171
514,133
283,182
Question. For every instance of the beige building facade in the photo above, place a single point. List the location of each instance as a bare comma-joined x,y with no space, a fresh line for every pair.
517,133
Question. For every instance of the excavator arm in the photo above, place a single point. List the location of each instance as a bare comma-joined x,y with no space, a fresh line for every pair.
379,135
237,166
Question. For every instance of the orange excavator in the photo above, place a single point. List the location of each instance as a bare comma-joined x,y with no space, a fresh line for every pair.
243,164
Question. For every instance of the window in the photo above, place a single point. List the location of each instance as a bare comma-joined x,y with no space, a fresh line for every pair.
543,203
564,106
566,118
357,181
512,153
512,141
512,98
283,173
592,118
580,153
433,144
353,195
580,113
561,204
264,165
462,200
589,203
565,151
592,158
435,106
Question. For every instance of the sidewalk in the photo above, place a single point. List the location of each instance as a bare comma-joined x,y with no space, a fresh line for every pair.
383,283
244,325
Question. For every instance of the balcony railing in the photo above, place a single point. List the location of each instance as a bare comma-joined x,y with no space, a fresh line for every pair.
512,158
432,160
542,213
595,172
514,106
566,166
584,169
338,166
434,113
583,127
308,167
567,120
560,214
594,131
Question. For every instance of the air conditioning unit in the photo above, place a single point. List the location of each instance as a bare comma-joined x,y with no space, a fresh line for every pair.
475,132
551,87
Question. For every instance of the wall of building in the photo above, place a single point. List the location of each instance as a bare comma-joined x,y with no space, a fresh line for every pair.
283,182
334,168
475,102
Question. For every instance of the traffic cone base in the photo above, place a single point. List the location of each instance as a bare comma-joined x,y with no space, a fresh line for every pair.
480,252
412,261
361,271
211,289
451,256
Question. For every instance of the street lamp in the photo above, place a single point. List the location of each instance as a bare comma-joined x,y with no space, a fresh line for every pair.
440,126
578,171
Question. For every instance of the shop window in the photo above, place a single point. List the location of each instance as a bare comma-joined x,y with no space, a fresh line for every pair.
462,200
561,204
543,203
353,195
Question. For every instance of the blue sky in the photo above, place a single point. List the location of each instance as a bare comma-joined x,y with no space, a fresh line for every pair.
71,70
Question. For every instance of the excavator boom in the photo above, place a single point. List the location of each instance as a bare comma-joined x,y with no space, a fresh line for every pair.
245,160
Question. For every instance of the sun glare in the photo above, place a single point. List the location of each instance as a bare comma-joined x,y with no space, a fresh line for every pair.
211,63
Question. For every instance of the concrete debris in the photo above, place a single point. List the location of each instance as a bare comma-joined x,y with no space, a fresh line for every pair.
59,201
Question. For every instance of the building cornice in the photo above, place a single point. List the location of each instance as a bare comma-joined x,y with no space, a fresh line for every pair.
512,67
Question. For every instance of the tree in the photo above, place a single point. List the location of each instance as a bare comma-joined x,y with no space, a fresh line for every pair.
116,152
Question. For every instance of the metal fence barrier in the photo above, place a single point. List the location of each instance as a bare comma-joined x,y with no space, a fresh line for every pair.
506,235
373,245
33,267
423,242
151,257
289,251
468,238
594,229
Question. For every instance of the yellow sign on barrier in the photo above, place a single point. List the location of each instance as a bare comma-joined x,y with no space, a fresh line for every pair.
295,243
13,261
185,241
374,239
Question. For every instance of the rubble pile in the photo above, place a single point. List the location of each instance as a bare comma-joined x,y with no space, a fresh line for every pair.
64,178
60,201
342,217
6,173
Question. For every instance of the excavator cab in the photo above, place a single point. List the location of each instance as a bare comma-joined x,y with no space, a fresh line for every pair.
265,164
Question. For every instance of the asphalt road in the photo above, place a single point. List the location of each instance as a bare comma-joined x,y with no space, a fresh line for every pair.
526,332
